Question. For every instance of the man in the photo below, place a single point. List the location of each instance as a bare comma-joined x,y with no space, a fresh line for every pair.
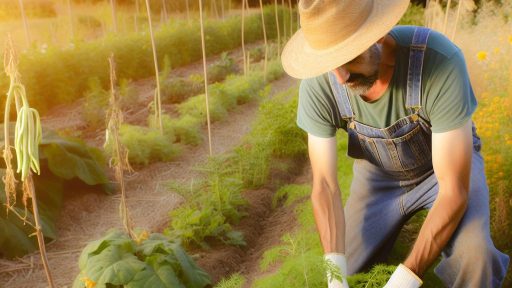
404,97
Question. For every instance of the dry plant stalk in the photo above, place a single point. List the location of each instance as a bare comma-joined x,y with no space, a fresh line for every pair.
157,101
446,16
278,32
243,41
291,17
25,24
27,136
119,157
114,17
205,77
265,41
284,25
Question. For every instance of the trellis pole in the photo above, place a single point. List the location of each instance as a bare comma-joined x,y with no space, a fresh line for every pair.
114,17
157,101
278,32
205,77
265,41
243,40
25,24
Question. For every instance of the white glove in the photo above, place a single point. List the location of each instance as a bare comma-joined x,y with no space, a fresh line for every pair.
403,277
339,261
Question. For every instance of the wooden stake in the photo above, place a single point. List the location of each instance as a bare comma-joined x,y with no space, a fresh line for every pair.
137,13
456,20
265,41
25,24
205,77
277,27
114,18
446,16
243,41
291,17
188,11
157,101
284,25
71,30
28,184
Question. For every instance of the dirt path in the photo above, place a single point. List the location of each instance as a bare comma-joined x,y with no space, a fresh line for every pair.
262,229
87,216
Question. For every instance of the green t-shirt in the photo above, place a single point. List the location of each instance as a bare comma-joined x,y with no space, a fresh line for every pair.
447,98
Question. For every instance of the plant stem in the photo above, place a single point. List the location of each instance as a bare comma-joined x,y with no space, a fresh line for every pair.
25,25
29,185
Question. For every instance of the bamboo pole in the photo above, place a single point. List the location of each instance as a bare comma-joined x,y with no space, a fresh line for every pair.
164,7
446,16
188,11
114,17
137,13
29,185
284,15
71,30
265,41
291,17
25,24
456,20
157,101
277,27
205,77
243,41
222,8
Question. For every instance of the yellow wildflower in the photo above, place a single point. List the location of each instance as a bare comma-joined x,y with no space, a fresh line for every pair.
88,282
482,55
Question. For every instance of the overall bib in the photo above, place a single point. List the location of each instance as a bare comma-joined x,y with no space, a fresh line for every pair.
394,178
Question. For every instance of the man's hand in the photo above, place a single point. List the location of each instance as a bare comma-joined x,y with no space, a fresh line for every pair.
403,278
338,262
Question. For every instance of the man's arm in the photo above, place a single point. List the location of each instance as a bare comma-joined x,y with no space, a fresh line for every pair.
325,197
451,157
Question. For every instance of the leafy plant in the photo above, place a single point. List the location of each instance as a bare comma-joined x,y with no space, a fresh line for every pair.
234,281
148,261
64,163
96,99
219,70
147,144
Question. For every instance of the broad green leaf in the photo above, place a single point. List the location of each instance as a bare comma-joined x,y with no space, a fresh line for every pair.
155,275
113,238
72,158
113,266
194,276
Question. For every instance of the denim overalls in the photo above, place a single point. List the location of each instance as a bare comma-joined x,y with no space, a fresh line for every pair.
394,178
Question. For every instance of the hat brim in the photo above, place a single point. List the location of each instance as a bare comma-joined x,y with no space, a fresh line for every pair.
301,61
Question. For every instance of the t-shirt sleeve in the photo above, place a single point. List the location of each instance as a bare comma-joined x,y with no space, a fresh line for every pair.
451,100
314,113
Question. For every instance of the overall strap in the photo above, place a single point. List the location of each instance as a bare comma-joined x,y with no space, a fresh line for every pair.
342,99
418,47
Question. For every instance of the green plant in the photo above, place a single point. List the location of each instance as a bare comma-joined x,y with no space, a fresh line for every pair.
187,129
60,76
152,260
96,99
146,144
219,70
176,90
234,281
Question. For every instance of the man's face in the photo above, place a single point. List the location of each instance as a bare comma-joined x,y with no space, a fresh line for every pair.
361,73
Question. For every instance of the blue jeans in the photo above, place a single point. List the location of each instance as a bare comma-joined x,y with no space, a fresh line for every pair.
379,205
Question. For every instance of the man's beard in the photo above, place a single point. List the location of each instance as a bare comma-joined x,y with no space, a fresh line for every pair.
360,84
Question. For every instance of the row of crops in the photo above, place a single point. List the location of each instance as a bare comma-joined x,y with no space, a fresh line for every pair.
71,159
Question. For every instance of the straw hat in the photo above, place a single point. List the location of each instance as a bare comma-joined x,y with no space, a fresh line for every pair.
333,32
